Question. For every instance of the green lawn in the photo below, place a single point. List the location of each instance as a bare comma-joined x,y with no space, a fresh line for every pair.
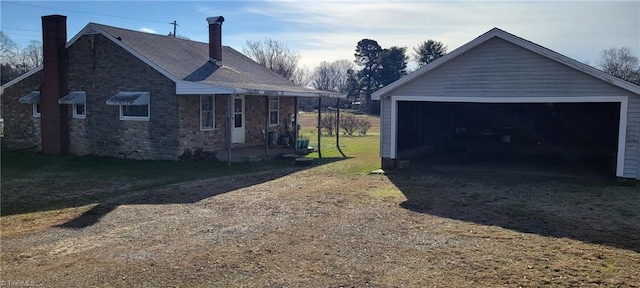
34,182
362,151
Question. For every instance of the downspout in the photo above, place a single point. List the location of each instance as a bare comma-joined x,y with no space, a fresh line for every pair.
266,124
319,127
229,111
295,121
338,128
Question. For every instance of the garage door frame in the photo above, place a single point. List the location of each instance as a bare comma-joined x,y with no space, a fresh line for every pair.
622,133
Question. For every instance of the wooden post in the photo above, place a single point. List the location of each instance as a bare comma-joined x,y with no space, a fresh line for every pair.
319,127
338,128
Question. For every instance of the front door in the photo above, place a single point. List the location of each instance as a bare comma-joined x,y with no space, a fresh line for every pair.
237,121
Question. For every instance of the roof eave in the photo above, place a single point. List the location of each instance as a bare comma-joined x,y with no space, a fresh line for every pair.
20,78
496,32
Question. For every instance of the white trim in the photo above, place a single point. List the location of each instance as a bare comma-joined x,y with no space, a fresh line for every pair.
495,32
20,78
394,127
79,116
622,136
136,118
194,88
234,130
277,110
623,100
213,112
34,109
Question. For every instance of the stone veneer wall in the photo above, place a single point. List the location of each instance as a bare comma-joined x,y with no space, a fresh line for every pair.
255,119
21,129
192,137
101,69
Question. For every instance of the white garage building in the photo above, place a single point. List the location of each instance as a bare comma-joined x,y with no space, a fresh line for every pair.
503,94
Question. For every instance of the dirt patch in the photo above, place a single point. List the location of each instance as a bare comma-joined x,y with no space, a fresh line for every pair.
307,229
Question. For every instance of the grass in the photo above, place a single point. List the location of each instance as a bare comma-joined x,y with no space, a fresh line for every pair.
330,225
35,182
362,151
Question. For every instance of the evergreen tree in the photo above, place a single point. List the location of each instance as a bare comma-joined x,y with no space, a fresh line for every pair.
393,62
368,56
428,51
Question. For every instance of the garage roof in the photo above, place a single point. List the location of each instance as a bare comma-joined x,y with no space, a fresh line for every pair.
496,32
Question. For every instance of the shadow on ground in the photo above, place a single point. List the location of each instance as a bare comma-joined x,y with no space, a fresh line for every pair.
598,210
182,193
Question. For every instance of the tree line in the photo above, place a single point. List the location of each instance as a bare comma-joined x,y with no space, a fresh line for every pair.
372,68
16,60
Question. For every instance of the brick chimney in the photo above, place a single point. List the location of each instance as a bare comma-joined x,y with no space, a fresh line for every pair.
53,116
215,39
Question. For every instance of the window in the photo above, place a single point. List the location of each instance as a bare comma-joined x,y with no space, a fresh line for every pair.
79,111
133,105
274,113
32,98
137,112
36,109
207,115
77,100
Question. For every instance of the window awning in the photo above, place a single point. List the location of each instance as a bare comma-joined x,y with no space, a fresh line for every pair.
33,97
129,99
76,97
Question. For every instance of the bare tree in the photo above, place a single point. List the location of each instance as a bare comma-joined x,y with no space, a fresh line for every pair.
15,60
8,49
31,56
332,76
301,77
274,55
620,63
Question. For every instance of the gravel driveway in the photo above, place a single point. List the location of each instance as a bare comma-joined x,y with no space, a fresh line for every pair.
309,228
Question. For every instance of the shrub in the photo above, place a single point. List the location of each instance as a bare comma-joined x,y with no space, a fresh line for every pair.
198,154
363,126
328,122
349,124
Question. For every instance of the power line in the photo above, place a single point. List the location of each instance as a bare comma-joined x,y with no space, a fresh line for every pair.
30,35
21,29
82,12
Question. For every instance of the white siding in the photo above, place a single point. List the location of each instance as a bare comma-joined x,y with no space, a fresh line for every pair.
385,128
498,68
632,152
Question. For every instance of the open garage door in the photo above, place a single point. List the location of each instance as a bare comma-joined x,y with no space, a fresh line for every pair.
568,134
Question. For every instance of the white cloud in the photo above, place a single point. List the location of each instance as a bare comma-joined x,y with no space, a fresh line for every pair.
148,30
323,30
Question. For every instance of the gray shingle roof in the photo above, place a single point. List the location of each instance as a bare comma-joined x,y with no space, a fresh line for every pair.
189,60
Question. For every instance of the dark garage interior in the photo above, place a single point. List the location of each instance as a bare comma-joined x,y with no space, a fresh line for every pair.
568,135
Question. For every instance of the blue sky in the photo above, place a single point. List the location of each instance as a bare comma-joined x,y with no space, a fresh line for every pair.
329,30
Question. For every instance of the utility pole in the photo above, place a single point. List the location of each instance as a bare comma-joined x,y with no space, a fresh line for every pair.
175,24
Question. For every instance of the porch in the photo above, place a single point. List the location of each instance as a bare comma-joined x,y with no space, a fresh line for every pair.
257,153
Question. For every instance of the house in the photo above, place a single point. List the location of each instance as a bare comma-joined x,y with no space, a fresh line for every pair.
112,91
508,97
